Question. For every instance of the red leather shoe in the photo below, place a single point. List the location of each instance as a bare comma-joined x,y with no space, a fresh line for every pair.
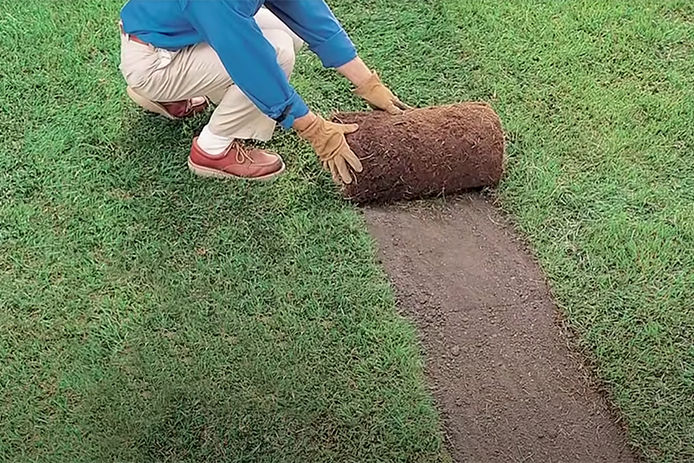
236,162
174,110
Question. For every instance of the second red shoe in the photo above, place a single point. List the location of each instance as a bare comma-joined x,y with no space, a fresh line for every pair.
174,110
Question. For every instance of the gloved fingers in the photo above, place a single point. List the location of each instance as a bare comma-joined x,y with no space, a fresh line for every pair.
400,104
348,155
393,109
349,128
333,171
343,170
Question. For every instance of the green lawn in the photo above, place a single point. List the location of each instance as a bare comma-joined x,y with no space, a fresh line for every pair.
146,315
598,102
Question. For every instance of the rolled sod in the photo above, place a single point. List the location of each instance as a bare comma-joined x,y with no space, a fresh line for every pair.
425,152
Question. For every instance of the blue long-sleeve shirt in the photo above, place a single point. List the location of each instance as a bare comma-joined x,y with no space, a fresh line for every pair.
228,27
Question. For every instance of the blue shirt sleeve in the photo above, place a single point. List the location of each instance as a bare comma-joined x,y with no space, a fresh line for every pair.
229,28
314,22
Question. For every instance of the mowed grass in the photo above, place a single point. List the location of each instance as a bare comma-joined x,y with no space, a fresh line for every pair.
597,98
148,315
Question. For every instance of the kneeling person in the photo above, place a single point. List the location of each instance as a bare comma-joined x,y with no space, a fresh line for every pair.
178,55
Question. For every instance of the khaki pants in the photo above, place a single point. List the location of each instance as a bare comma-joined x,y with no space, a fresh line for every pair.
165,76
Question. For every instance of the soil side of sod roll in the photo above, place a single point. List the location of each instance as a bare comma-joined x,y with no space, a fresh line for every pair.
425,152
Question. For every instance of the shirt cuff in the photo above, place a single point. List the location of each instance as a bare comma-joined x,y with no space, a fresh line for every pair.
336,51
295,108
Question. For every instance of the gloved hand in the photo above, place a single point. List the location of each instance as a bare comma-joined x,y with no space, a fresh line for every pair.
328,140
379,97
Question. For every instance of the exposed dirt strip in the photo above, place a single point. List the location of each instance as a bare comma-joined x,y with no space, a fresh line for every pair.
508,384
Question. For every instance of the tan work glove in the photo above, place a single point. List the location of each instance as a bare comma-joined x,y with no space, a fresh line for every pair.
379,97
328,140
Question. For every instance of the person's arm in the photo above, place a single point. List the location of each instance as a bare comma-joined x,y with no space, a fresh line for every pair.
356,71
229,28
314,22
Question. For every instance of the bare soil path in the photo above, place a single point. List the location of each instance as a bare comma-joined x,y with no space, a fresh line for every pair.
508,384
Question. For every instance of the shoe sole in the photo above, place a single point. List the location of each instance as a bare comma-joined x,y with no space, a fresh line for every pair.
149,105
206,172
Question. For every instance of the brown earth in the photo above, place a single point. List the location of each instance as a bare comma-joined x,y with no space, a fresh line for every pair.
425,152
508,383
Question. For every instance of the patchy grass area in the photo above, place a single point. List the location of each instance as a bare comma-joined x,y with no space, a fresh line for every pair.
148,315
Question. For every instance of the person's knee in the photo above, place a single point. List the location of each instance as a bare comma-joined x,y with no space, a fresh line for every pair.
287,58
296,42
269,22
284,47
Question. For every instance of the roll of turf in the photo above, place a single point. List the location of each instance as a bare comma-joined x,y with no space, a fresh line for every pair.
425,152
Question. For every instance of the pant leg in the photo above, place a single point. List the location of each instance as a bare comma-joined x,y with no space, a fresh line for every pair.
197,70
233,117
192,72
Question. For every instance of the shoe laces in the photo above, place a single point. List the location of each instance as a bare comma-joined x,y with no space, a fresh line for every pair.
241,152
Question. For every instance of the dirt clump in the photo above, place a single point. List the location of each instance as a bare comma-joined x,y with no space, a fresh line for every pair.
425,152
